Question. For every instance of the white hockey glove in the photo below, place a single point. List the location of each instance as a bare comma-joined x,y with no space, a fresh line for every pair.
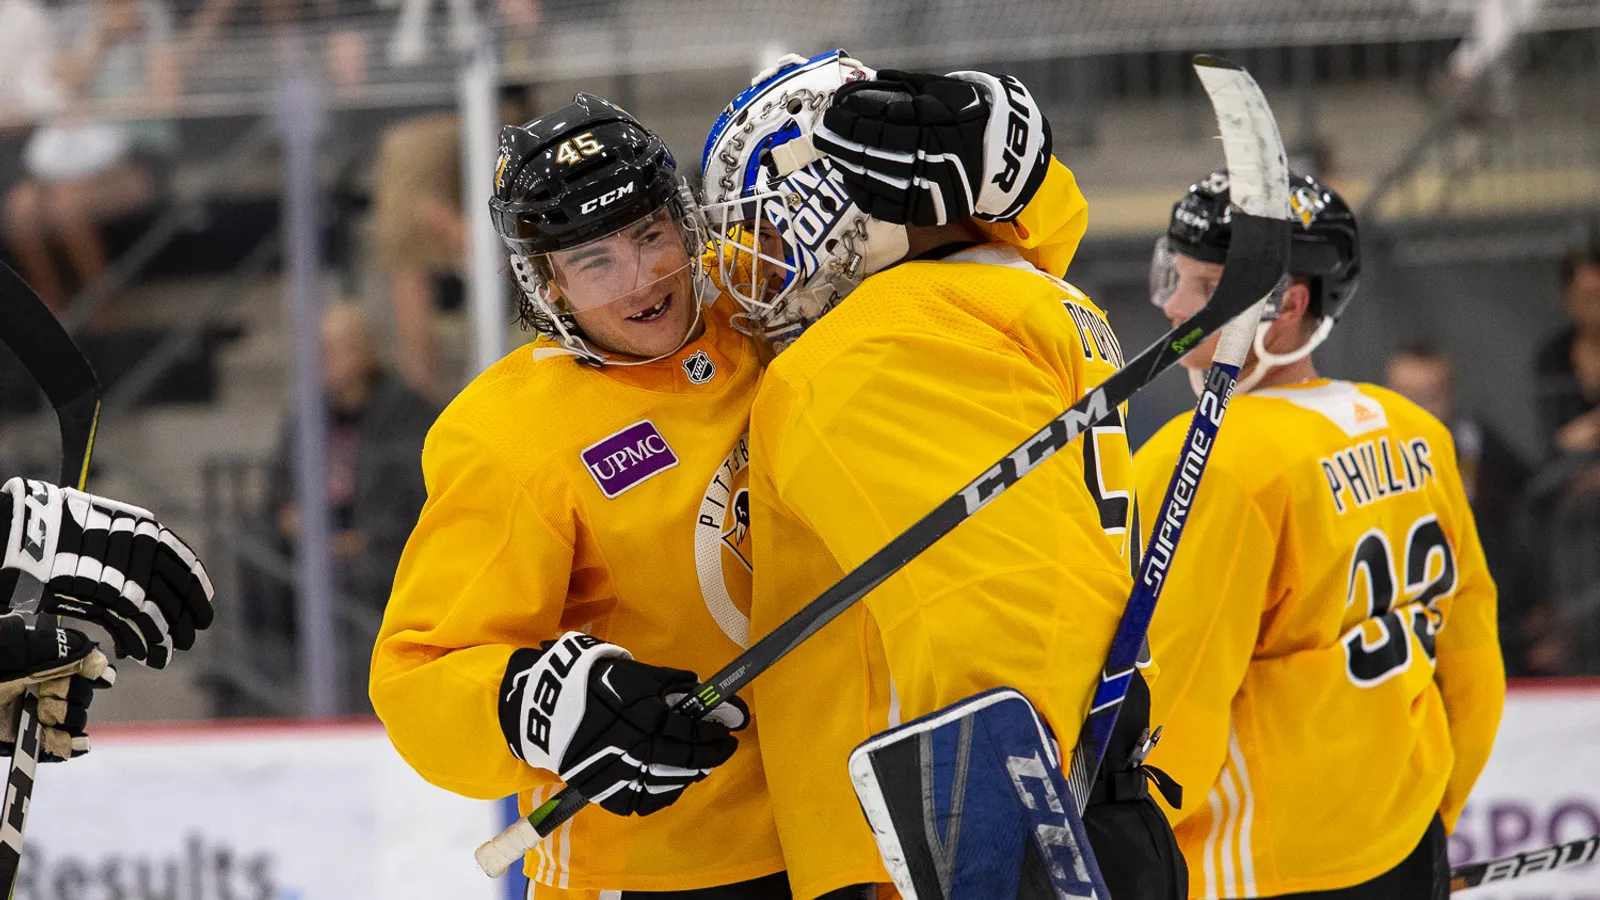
920,149
68,668
585,710
109,563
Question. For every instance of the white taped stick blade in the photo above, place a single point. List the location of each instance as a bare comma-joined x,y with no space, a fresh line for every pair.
1258,174
497,854
1239,334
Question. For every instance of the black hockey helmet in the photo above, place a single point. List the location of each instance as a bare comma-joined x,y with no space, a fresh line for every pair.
1325,247
574,179
580,172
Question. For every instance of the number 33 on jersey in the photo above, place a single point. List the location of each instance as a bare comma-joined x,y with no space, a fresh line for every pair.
1330,596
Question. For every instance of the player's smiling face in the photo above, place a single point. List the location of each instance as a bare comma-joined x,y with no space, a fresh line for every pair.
1197,280
631,292
646,323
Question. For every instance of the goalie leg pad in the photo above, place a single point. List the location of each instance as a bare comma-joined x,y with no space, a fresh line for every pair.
970,803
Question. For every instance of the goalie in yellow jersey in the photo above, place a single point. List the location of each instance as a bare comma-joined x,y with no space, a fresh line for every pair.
585,548
1331,678
886,396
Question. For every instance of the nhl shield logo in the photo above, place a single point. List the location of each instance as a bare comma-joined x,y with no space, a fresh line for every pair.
699,368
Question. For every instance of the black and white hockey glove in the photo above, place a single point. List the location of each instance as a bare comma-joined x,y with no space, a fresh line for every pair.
920,149
68,668
109,563
585,710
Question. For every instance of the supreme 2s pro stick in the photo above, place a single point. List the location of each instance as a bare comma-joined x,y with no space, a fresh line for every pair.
1258,183
45,349
1256,260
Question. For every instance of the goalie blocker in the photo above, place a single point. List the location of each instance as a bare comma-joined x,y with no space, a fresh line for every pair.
971,803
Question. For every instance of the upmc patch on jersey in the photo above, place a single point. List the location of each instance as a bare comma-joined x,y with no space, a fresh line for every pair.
628,457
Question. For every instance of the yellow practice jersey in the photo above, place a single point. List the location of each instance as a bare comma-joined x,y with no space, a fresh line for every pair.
913,386
1330,668
614,501
611,500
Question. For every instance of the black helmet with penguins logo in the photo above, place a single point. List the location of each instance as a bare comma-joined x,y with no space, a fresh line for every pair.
1325,247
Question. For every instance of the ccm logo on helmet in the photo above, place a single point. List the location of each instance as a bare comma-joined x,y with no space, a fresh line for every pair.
606,199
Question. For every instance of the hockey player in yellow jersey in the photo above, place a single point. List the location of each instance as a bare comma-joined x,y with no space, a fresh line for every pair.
1331,678
885,397
587,504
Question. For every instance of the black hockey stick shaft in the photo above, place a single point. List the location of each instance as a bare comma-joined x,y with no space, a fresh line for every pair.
1241,286
1529,862
45,349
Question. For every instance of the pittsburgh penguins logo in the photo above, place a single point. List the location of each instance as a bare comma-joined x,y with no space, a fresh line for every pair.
739,517
500,169
1307,204
722,558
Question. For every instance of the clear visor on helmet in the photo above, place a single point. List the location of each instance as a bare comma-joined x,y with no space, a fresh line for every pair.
1163,273
618,266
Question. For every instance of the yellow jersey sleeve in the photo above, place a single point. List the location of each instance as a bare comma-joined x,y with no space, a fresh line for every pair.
442,650
1470,672
1049,228
1206,623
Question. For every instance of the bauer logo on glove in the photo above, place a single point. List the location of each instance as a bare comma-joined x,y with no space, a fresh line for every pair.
921,149
587,711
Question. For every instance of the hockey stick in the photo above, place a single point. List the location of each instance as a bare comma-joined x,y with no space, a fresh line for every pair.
1256,260
42,345
1258,179
1545,859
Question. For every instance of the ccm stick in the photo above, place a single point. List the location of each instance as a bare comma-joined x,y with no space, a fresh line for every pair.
43,346
1258,179
1256,260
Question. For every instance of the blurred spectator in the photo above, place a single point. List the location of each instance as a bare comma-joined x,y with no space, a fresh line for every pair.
28,85
346,22
1568,366
84,169
410,42
1494,477
421,234
374,480
1565,496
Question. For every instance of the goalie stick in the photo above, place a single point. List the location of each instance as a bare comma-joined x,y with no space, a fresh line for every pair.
45,349
1258,178
1256,260
1544,859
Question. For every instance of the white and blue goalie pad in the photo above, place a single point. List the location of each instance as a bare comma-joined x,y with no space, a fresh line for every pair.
970,803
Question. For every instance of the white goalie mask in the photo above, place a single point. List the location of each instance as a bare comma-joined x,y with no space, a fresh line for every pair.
789,242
